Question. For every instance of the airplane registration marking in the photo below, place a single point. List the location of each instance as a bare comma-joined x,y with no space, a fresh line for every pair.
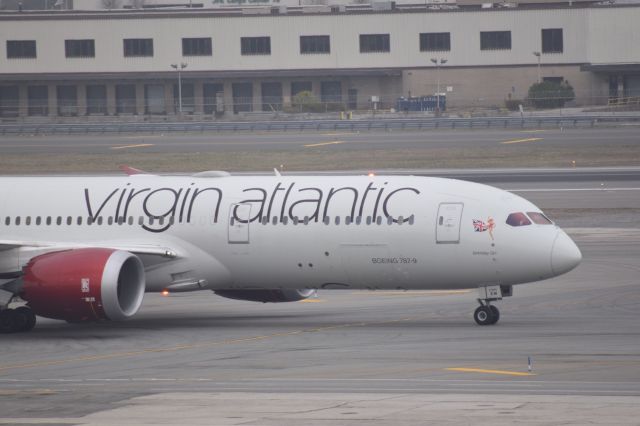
198,345
521,140
311,145
138,145
483,371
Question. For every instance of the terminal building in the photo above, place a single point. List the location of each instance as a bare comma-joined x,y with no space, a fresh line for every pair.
231,60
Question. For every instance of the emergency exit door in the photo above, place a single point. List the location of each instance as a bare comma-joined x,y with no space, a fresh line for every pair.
448,223
239,216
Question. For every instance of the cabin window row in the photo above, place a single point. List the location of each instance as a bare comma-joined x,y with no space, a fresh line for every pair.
110,220
337,220
551,42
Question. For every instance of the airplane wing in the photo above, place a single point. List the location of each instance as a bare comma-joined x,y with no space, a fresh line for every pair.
152,253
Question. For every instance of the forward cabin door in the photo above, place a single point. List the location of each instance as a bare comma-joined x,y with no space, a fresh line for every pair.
448,223
239,216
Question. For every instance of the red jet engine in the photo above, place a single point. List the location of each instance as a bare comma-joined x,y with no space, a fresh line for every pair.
84,284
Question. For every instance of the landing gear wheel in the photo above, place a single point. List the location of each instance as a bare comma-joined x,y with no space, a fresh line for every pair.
6,321
29,318
495,313
483,315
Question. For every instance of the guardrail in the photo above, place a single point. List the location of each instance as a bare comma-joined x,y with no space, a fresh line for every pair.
314,125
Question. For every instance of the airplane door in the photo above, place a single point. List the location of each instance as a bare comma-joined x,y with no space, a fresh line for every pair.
239,216
448,223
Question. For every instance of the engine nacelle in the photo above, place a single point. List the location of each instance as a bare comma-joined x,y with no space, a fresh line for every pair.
84,284
266,295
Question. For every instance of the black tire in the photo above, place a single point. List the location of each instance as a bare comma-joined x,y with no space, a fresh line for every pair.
495,313
6,321
483,315
20,320
29,316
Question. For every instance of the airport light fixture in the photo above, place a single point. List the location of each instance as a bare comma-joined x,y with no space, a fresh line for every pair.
438,63
179,68
539,56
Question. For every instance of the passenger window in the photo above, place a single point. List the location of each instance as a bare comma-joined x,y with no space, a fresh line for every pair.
265,220
358,220
38,220
89,220
28,220
59,220
539,218
518,219
18,220
306,220
337,220
130,220
411,218
110,220
347,220
400,220
7,221
79,222
69,220
327,220
379,220
285,220
368,220
141,220
295,220
274,220
48,220
389,220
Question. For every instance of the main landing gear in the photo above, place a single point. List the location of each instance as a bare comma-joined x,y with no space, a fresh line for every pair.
486,313
17,320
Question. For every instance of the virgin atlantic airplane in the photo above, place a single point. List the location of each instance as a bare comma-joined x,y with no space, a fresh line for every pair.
87,249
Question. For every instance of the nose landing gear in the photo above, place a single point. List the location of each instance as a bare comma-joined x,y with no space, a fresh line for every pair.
486,313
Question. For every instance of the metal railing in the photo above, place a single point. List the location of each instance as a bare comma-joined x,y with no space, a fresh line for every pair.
314,125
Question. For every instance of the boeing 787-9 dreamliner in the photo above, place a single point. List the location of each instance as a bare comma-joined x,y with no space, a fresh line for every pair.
88,248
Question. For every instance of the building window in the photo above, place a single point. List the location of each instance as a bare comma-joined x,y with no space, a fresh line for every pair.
21,49
38,100
96,97
435,42
138,46
374,43
331,91
315,44
255,45
552,40
9,101
125,99
80,48
300,86
197,46
495,40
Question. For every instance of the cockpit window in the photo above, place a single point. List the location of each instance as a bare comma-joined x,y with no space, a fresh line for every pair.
518,219
539,218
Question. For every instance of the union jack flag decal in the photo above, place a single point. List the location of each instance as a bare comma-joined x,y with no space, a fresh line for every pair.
479,225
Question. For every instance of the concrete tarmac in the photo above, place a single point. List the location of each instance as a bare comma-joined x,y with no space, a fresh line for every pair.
375,358
579,138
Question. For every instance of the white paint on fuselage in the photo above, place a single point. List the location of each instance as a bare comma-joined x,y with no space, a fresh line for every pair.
312,255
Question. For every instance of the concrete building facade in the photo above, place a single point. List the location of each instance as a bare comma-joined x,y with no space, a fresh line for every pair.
235,60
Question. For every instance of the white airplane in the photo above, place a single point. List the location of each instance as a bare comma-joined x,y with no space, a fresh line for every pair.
87,249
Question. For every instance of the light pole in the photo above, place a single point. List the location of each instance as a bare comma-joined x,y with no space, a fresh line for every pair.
179,68
539,55
438,64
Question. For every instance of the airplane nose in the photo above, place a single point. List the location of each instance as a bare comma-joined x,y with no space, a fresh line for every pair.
565,254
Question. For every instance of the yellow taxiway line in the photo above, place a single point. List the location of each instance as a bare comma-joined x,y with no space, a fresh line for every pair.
521,140
139,145
311,145
312,301
483,371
